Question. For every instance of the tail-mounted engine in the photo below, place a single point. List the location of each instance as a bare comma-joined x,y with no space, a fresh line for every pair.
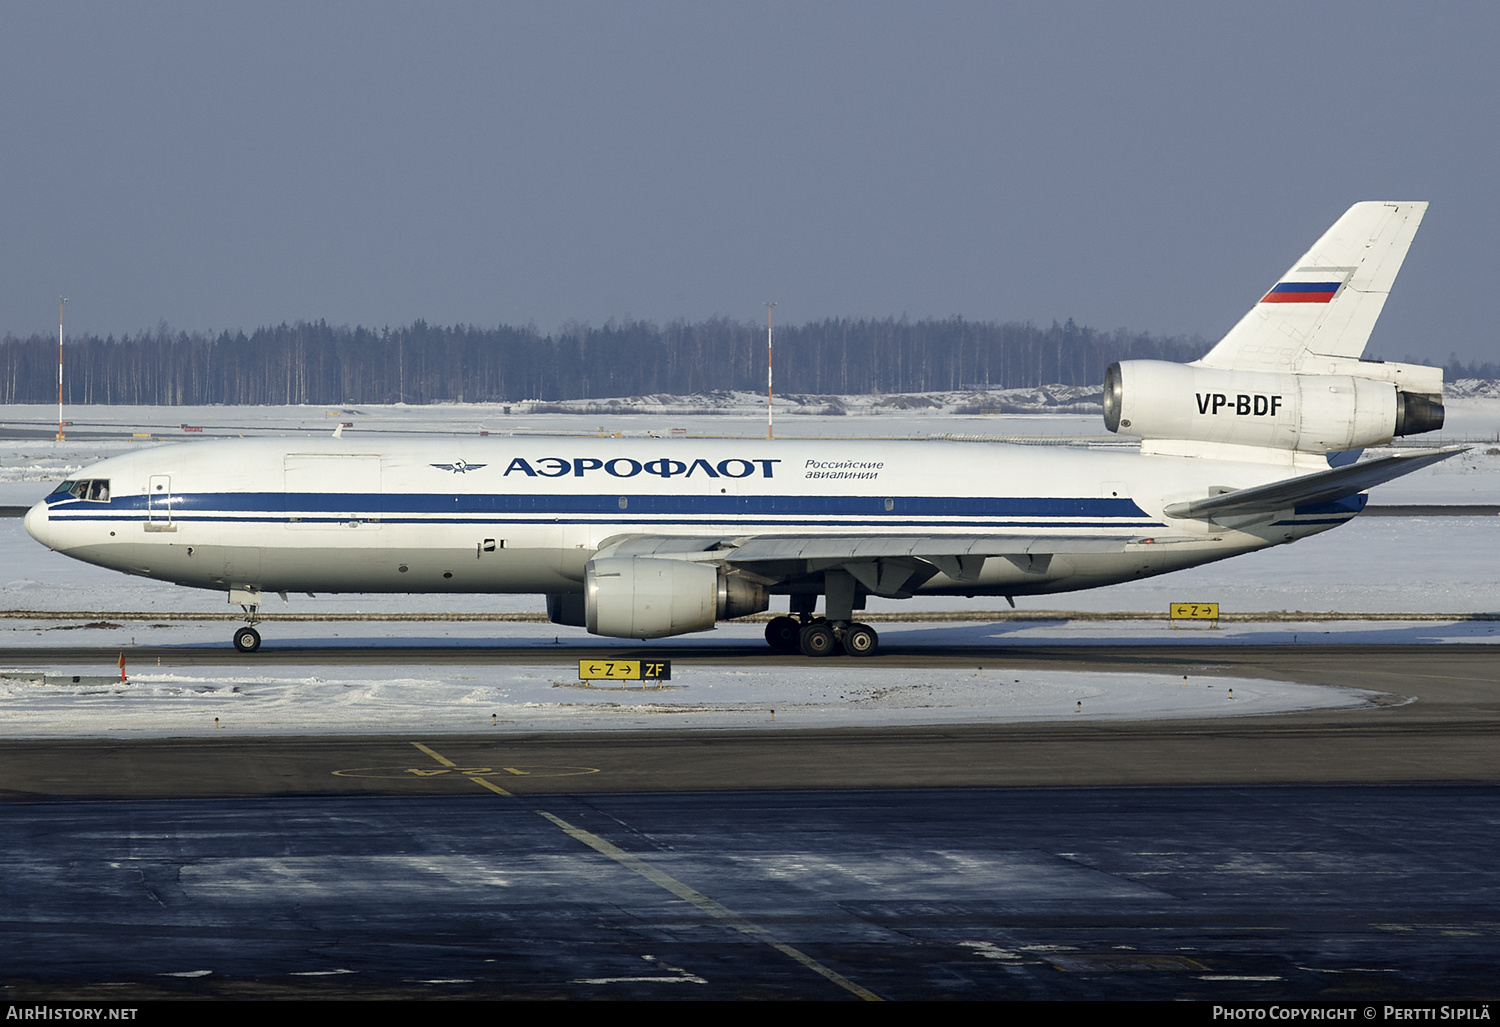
1356,403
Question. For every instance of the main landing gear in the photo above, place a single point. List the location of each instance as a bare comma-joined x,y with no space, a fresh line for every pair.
829,635
821,637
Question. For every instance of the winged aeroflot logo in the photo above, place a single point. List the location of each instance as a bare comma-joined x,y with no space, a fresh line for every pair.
458,467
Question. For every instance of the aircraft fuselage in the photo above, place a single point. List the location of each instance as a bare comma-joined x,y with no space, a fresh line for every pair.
505,515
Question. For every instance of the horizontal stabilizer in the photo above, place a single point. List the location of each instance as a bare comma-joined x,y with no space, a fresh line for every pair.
1321,487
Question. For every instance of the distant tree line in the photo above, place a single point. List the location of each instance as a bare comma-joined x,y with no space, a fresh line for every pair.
1456,369
422,363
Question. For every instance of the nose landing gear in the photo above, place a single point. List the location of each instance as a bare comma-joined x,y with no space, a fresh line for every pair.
247,639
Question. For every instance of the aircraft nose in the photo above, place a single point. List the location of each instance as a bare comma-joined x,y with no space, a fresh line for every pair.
38,524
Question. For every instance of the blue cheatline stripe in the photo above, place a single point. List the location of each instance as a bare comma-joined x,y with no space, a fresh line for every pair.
646,511
739,525
398,505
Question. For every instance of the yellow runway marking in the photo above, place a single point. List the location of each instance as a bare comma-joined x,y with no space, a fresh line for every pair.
717,910
445,761
484,783
527,770
666,881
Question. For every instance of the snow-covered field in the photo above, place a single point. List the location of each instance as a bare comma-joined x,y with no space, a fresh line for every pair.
343,700
1373,565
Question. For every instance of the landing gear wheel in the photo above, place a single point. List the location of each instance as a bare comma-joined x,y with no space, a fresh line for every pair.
247,640
782,633
817,639
861,640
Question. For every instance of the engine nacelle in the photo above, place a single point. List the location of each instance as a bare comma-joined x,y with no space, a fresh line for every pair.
641,597
566,608
1312,413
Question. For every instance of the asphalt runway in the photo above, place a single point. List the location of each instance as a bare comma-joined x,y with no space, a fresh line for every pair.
1342,855
1354,895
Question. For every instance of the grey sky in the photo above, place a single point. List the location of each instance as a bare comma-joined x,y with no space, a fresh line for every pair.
1152,166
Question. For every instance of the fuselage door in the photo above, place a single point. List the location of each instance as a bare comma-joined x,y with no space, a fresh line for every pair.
159,503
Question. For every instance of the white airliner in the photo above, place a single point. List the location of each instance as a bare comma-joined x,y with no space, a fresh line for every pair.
1251,446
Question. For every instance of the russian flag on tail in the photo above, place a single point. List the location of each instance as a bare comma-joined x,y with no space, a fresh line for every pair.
1302,292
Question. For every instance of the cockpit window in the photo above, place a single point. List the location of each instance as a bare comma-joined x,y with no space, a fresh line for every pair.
95,490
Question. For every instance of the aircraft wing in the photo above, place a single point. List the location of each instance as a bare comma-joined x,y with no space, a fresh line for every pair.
894,565
886,565
1320,487
873,547
831,547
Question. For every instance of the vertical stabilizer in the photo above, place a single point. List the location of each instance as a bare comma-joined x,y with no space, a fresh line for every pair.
1327,303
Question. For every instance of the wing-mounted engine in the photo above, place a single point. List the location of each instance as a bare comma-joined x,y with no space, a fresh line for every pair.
1343,404
644,597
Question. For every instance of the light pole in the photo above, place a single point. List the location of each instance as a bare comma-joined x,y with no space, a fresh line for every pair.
770,433
61,302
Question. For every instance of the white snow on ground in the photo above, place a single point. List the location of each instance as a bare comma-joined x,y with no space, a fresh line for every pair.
344,700
1373,565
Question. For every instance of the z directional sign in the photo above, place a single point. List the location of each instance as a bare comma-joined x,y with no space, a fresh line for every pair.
1195,611
625,670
